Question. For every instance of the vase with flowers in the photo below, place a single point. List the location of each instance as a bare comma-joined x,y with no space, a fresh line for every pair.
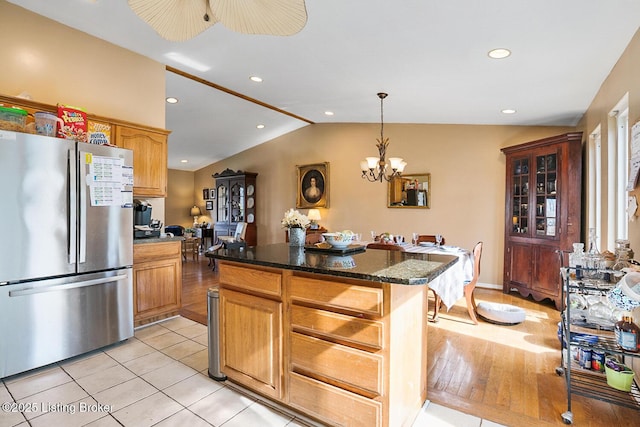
297,224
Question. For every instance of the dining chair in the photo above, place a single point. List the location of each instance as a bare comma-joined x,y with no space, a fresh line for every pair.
238,235
469,287
385,246
428,238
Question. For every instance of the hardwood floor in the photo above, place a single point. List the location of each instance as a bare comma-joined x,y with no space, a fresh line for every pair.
505,374
197,278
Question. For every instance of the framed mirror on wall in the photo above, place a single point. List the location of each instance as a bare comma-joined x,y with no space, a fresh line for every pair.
410,191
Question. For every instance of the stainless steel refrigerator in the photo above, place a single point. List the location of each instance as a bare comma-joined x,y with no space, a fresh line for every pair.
66,249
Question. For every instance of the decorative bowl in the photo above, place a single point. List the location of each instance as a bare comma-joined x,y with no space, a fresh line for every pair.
340,262
338,240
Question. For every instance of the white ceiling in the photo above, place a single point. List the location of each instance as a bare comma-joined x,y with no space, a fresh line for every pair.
429,55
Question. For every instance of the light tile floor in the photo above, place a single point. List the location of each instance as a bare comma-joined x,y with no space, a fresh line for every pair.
157,378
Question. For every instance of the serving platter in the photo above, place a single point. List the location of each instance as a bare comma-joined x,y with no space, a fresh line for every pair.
332,250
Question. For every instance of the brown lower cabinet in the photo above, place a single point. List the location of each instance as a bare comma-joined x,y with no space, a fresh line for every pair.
343,351
157,281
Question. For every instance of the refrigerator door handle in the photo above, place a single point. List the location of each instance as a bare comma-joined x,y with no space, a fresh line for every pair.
82,253
32,291
72,206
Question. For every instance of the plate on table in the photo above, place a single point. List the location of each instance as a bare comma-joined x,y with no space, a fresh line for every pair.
426,244
450,248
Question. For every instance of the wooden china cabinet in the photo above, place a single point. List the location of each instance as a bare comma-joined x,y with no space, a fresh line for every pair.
542,213
235,202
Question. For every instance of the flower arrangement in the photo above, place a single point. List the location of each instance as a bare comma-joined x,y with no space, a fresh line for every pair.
294,219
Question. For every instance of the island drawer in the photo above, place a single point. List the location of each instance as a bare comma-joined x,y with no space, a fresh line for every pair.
252,279
345,296
343,366
332,404
338,327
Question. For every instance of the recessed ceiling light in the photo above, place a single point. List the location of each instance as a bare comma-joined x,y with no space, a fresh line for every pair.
499,53
255,79
172,100
260,126
184,161
508,111
328,113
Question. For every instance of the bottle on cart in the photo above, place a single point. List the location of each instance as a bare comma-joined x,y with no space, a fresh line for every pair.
593,257
622,261
627,334
576,261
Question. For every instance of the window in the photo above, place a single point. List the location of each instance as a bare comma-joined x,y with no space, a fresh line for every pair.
617,173
595,181
608,172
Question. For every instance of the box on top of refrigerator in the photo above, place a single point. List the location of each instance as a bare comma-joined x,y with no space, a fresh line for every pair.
74,123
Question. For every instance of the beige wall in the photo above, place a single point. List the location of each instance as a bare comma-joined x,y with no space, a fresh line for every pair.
57,64
467,180
180,199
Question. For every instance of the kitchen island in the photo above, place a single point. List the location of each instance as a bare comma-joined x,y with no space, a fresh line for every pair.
342,339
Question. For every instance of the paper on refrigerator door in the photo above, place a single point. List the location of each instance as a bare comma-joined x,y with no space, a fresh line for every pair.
109,181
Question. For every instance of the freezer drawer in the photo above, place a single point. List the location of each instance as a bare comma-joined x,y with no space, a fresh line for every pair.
46,321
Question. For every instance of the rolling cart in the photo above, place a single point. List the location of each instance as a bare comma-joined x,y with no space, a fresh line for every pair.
580,337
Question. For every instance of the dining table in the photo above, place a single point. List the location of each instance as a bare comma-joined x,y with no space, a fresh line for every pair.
449,286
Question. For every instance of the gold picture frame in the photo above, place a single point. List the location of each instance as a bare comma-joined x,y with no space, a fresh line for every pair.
313,186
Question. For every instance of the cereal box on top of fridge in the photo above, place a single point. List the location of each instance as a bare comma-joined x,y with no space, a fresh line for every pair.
98,133
74,123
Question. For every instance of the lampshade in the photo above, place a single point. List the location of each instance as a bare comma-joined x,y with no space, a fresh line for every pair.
195,211
314,215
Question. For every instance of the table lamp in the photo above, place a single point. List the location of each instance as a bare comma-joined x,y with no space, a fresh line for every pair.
195,212
314,217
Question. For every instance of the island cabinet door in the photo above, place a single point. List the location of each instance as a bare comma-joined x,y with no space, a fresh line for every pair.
251,341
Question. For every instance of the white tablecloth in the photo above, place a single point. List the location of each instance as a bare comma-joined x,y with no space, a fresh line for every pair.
450,284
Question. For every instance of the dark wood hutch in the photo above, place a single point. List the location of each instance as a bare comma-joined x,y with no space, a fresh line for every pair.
543,210
235,203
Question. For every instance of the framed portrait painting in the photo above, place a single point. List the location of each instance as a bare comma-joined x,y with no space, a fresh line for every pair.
313,186
209,205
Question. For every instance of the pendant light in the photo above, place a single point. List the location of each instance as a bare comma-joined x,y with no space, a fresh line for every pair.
375,168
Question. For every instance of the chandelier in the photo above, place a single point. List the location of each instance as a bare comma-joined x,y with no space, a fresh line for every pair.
375,168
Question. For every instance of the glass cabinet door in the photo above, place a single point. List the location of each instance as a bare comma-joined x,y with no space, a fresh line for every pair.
520,196
236,190
222,206
546,214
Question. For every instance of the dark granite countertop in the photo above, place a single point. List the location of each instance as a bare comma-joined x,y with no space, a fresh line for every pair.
373,264
157,240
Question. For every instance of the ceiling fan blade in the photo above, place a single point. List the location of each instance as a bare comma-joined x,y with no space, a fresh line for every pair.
270,17
175,20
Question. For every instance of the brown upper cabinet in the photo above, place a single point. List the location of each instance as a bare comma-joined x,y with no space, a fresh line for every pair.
543,209
149,158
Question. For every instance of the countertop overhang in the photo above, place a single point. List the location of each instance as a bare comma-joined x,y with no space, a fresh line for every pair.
375,265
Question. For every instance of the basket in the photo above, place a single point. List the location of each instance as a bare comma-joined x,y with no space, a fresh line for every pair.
620,380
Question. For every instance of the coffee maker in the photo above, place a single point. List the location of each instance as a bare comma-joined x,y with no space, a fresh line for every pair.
143,225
